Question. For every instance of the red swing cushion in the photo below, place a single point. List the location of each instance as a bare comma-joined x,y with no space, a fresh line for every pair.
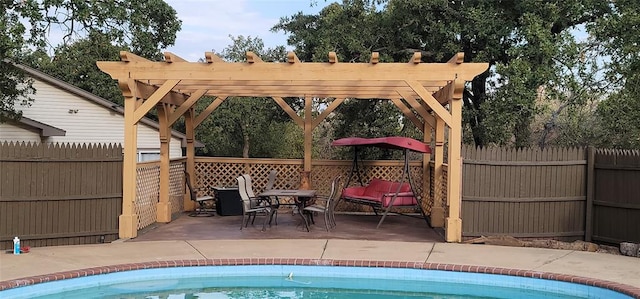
382,192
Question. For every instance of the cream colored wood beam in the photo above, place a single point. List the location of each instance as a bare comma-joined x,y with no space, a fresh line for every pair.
267,82
333,57
298,89
334,104
308,142
458,58
444,94
416,58
189,205
420,109
408,113
144,91
453,224
292,58
212,57
170,57
431,101
130,57
353,72
186,106
292,113
154,99
253,57
375,57
207,111
128,220
163,206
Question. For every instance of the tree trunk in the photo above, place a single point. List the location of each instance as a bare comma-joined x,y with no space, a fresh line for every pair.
473,100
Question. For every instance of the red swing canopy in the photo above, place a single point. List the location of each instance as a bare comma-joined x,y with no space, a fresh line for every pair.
392,142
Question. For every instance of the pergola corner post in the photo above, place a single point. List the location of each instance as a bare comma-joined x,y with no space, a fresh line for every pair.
190,167
128,220
438,210
163,209
453,223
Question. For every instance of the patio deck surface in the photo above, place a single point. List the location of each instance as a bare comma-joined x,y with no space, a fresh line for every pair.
401,241
349,227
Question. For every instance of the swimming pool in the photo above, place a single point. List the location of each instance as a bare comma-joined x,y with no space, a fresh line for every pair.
305,281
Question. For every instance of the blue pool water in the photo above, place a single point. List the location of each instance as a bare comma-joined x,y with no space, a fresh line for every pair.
285,281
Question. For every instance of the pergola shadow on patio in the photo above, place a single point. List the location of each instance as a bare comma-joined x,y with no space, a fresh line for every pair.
349,227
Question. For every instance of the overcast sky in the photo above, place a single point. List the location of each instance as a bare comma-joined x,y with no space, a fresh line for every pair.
207,24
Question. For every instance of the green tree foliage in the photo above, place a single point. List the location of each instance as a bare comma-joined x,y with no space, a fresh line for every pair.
13,83
617,33
519,40
76,64
144,27
351,30
248,126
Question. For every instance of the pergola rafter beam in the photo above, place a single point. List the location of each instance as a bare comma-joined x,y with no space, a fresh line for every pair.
207,111
211,57
145,90
334,104
420,109
195,96
292,113
431,101
408,113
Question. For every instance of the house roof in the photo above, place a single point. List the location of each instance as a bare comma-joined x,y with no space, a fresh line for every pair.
94,98
44,129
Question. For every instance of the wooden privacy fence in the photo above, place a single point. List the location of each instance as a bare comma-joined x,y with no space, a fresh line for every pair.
60,194
616,196
560,193
526,193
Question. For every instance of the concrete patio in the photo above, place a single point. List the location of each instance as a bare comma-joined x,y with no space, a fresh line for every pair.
190,238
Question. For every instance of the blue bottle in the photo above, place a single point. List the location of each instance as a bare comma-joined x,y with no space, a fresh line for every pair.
16,245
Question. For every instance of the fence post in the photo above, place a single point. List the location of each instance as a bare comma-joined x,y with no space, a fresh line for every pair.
588,225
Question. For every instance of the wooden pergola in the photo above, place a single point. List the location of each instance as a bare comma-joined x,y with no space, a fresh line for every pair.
428,94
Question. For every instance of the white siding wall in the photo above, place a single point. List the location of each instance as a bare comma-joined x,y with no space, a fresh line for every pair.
9,132
91,123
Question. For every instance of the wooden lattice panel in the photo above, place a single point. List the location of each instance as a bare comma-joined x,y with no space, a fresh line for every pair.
222,172
176,186
443,189
147,193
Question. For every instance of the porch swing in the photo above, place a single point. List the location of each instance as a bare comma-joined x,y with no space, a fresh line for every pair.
382,195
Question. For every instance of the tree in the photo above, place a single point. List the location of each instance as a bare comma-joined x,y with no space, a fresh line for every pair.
248,125
519,40
13,83
351,30
145,27
76,64
616,33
